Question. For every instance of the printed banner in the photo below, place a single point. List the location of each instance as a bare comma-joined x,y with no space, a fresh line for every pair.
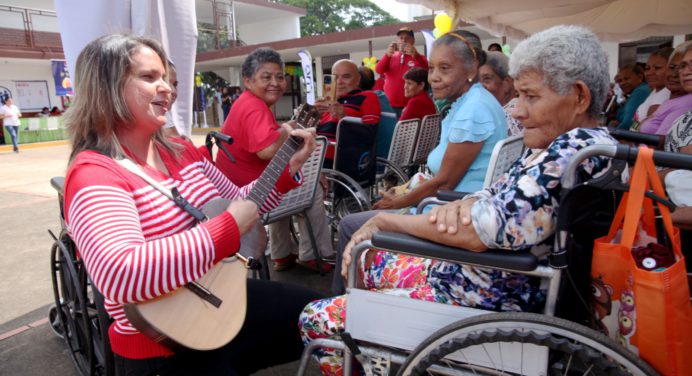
63,83
306,62
429,39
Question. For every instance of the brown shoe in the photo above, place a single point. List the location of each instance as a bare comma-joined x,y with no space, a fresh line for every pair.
312,265
284,263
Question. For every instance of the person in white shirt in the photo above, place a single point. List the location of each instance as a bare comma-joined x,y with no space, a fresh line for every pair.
655,74
10,115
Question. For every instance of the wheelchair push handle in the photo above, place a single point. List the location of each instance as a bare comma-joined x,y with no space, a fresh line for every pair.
625,153
220,140
652,140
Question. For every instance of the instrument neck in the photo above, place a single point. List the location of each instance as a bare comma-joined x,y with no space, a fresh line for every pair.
266,182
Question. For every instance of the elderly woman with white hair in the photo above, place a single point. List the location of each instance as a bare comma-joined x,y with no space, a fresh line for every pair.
561,75
494,76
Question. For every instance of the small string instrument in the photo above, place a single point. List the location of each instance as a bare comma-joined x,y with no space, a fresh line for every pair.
208,313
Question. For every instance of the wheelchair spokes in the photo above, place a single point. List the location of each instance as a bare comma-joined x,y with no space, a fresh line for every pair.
74,315
78,316
344,196
521,344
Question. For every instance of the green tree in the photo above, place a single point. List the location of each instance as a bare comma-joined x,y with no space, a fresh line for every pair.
327,16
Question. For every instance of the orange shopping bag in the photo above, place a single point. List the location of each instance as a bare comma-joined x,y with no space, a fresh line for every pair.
648,311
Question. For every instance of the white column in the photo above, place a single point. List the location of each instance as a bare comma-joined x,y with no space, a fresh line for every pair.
612,50
235,76
319,76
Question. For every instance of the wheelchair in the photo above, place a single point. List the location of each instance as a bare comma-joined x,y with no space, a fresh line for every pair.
351,173
387,333
78,315
355,177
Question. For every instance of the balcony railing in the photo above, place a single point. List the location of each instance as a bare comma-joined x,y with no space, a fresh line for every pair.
26,29
29,29
213,39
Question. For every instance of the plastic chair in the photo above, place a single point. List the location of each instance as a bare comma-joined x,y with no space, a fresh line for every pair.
400,152
428,137
385,132
504,154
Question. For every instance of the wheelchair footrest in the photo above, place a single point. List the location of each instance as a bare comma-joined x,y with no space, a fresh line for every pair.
404,323
369,318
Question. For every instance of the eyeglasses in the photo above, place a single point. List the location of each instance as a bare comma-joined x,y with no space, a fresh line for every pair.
683,66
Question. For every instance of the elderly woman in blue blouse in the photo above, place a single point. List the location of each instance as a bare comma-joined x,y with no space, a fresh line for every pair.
475,123
561,75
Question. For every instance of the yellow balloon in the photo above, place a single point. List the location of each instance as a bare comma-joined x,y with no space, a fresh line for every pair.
436,33
373,60
443,22
366,60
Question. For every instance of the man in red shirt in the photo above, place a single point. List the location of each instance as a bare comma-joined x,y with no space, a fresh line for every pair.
401,56
351,101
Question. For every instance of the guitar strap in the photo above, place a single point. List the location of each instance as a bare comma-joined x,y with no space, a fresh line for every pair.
172,194
182,203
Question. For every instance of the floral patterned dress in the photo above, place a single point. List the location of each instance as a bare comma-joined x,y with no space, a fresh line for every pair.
517,212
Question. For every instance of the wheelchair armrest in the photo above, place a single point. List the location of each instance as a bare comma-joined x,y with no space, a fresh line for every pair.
446,195
58,183
522,261
428,201
352,119
442,197
641,138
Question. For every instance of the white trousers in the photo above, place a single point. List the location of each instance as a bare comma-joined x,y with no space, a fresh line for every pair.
281,244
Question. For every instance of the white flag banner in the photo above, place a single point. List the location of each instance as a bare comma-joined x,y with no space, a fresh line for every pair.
306,62
429,40
172,22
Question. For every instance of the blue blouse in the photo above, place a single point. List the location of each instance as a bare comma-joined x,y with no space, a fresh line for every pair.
476,117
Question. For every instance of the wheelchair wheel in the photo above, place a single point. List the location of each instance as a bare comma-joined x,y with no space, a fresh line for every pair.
102,345
79,316
73,313
344,196
388,175
572,348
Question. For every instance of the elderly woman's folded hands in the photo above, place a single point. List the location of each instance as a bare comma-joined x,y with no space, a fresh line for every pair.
452,217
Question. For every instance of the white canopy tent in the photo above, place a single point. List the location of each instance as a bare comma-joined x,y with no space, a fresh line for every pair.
611,20
172,22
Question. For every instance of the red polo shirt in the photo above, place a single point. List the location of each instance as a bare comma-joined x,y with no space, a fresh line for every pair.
418,106
253,127
394,71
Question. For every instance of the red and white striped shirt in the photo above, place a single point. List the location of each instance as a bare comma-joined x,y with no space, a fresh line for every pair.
137,244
